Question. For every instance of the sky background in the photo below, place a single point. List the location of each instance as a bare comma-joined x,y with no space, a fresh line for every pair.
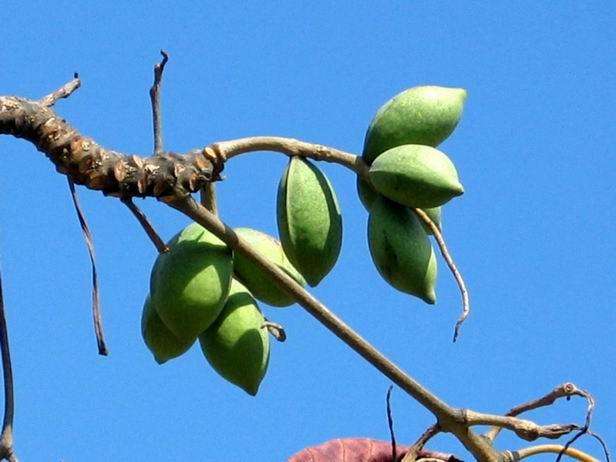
533,234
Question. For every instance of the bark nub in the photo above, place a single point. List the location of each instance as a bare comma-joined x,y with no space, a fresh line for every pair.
91,165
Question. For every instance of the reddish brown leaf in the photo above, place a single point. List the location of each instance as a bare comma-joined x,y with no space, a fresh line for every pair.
350,450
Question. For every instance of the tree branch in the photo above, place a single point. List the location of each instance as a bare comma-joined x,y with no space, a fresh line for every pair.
63,92
525,429
171,178
146,225
565,390
466,309
444,413
6,437
513,456
155,100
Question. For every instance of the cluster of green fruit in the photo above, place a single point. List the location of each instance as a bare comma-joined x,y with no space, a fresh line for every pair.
406,171
200,289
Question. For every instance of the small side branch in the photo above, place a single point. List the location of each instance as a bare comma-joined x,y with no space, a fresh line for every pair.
565,390
514,456
96,304
524,429
208,198
417,448
6,437
466,309
155,100
275,330
63,92
146,225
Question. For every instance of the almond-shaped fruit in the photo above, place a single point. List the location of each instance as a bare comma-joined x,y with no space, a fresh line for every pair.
261,284
367,195
309,220
236,345
163,344
190,283
415,176
401,250
420,115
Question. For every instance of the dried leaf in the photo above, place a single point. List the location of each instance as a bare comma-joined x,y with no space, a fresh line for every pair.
350,450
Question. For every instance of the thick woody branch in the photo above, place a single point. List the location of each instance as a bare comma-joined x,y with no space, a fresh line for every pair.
96,167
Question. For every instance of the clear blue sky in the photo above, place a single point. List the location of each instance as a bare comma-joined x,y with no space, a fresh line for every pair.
534,233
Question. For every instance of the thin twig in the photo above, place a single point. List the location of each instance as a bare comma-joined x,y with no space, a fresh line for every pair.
6,437
63,92
276,330
417,447
290,147
390,424
525,429
155,100
587,421
514,456
146,225
606,451
565,390
444,413
208,198
96,304
466,309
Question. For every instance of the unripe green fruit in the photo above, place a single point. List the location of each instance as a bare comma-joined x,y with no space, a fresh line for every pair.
420,115
367,195
415,176
261,284
401,250
158,338
189,283
309,220
236,345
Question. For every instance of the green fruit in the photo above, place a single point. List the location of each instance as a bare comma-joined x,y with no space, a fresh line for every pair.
235,345
261,284
415,176
309,220
420,115
189,283
367,195
401,250
158,338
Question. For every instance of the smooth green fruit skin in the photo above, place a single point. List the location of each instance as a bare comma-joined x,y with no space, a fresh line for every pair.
415,176
309,220
158,338
260,284
400,249
367,195
190,283
421,115
235,345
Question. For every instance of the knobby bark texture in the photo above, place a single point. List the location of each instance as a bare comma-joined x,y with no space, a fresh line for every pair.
172,177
